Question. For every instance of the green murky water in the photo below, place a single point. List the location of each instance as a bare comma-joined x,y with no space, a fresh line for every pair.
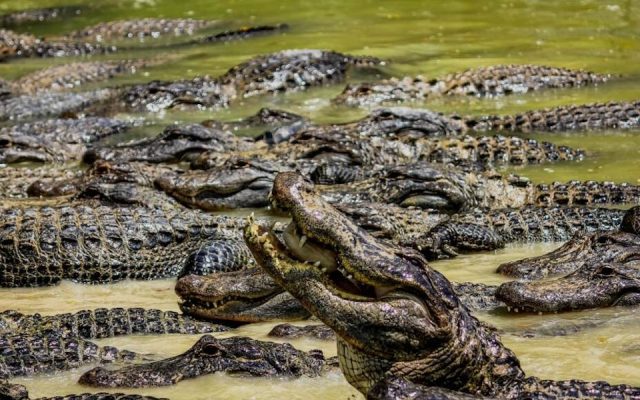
428,38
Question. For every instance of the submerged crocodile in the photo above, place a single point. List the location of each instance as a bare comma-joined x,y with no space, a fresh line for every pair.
377,297
56,140
73,75
234,355
490,81
272,73
85,242
144,28
251,295
44,14
13,44
105,323
52,105
597,270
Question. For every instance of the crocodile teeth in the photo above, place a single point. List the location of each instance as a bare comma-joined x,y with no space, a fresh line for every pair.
303,240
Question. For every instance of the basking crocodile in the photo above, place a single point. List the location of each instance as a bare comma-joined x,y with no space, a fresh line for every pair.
235,355
25,354
85,242
377,297
272,73
57,140
105,323
251,295
597,270
490,81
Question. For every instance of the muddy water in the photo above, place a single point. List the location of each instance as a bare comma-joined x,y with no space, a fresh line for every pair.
590,345
430,38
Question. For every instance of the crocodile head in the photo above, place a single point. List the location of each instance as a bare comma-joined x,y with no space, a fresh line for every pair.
602,270
175,143
599,247
422,185
391,311
235,355
244,183
239,296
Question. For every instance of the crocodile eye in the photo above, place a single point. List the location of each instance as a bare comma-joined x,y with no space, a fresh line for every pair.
211,350
606,271
604,240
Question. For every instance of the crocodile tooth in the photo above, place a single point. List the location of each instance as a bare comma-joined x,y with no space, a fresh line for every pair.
317,264
303,240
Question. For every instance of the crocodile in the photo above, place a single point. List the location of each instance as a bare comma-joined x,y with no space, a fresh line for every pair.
429,185
94,242
19,180
52,104
13,44
396,388
288,331
439,235
105,323
57,140
251,295
394,135
592,271
68,182
603,245
99,39
377,296
243,179
48,351
176,143
234,355
454,188
497,80
43,14
13,391
144,28
272,73
73,75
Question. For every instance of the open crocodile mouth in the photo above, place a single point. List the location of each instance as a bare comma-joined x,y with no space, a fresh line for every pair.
303,247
